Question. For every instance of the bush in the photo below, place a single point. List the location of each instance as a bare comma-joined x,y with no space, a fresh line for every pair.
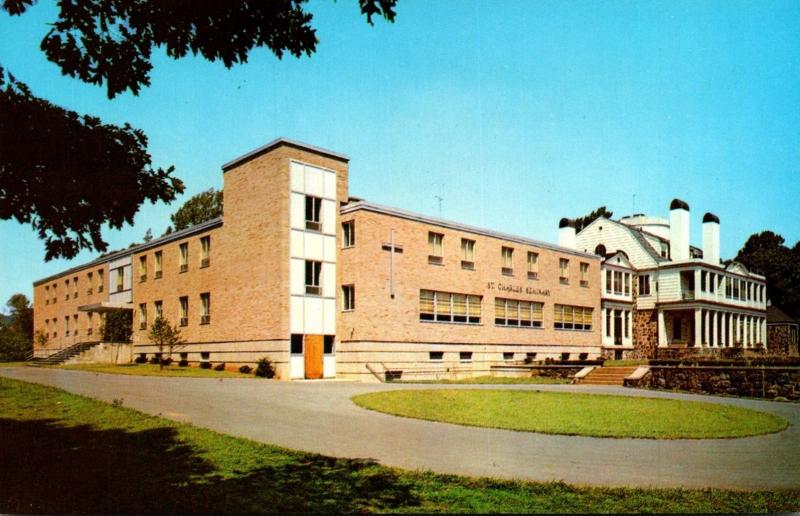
735,352
155,359
167,361
205,365
245,369
265,369
141,359
183,363
220,367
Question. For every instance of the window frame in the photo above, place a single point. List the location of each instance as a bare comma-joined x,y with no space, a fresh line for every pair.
315,211
348,234
315,287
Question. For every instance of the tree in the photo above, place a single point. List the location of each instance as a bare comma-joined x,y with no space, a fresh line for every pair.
16,331
200,208
582,222
48,155
165,336
117,326
68,174
765,253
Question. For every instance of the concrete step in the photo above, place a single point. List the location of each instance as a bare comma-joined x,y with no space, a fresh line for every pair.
608,375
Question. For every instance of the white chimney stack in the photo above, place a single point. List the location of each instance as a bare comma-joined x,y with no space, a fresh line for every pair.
679,230
566,233
711,239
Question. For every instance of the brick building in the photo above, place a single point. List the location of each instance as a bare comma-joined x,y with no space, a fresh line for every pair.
327,285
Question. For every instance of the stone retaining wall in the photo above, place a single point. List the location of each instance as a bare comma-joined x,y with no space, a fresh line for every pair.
756,382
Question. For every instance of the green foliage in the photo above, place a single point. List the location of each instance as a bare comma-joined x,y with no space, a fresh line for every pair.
265,369
200,208
16,331
117,326
49,157
765,253
220,367
582,222
165,337
575,414
208,472
50,154
245,369
205,365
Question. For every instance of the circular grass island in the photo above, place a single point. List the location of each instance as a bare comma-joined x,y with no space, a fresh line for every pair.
595,415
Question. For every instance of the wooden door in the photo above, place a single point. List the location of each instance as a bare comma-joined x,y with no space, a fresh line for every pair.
313,351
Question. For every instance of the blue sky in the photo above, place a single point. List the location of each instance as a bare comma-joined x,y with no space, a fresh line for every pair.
515,113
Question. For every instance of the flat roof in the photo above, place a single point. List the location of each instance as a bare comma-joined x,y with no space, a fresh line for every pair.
278,142
449,224
177,235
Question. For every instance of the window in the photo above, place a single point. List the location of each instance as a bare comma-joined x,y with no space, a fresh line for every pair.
313,211
585,274
184,315
449,307
522,314
609,280
55,293
703,280
74,287
600,250
436,355
143,268
157,258
205,251
349,233
712,280
296,344
66,326
609,321
533,265
530,356
626,323
617,282
508,356
142,316
205,306
567,317
435,248
349,297
727,286
90,281
120,279
465,356
100,281
159,312
626,283
507,260
467,254
89,324
184,356
644,285
563,271
47,295
184,250
205,355
313,271
75,324
66,290
327,344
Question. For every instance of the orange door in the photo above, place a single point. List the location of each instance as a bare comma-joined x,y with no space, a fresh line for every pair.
312,349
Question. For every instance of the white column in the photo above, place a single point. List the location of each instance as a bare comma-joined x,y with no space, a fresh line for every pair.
731,329
715,329
697,284
707,329
698,322
746,331
764,331
662,329
603,325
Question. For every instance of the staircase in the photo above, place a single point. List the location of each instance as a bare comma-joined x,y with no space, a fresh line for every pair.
608,375
65,354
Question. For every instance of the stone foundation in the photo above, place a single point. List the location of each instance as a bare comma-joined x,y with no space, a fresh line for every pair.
755,382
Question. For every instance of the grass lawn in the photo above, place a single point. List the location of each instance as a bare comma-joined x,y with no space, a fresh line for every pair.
66,453
13,364
575,414
495,380
153,370
621,363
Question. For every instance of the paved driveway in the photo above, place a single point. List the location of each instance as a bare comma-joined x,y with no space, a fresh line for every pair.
319,417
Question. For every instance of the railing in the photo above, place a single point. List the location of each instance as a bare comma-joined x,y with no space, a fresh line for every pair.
687,295
28,356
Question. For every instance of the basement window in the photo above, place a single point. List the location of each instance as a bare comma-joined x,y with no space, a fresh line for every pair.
508,356
297,344
465,356
436,355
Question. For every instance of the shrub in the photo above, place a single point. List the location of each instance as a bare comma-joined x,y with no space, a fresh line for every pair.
220,367
245,369
167,361
205,365
183,363
155,359
265,369
141,359
735,352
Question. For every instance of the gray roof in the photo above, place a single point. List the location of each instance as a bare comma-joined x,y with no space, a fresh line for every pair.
396,212
177,235
277,142
775,316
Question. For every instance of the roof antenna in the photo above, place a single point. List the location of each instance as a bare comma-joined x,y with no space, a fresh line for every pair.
439,199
